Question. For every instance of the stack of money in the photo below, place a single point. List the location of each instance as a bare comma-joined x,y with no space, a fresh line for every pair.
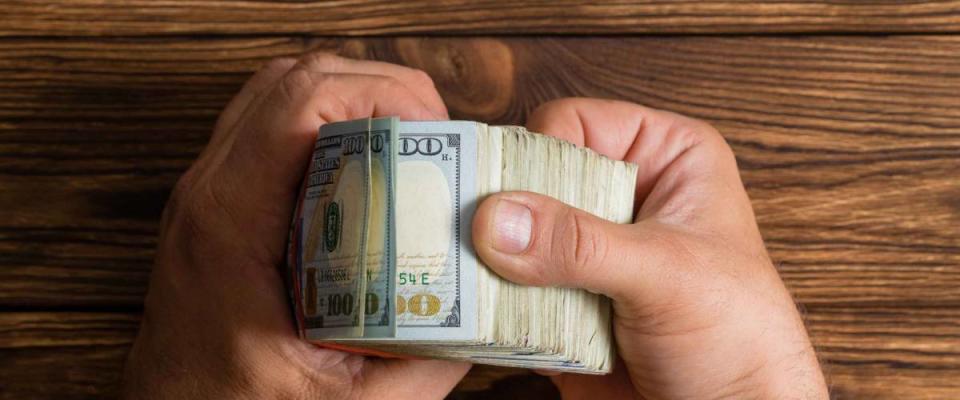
381,256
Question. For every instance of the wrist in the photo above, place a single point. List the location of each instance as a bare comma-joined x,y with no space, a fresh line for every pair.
768,352
795,376
788,368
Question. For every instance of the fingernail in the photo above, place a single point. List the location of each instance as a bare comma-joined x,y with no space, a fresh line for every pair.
513,223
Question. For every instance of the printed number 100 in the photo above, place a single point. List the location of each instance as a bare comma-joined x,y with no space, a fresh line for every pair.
338,304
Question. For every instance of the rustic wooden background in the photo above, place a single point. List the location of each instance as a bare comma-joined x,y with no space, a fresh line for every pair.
845,117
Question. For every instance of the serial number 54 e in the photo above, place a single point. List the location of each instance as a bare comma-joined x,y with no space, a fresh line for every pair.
410,278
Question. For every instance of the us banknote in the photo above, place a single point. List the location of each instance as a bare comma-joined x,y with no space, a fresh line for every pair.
381,257
382,231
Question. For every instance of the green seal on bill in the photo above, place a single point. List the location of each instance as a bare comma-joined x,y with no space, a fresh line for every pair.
331,235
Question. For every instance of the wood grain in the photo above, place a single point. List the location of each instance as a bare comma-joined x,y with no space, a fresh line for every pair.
849,147
850,158
353,17
81,354
868,352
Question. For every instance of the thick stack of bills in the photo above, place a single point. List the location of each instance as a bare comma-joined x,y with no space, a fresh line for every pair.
381,256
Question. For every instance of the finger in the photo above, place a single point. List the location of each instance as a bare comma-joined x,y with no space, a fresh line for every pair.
533,239
256,86
417,80
282,129
262,81
675,154
408,379
267,161
611,136
414,79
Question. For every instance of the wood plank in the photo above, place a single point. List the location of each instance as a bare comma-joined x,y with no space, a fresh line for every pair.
63,355
848,145
145,17
877,353
71,355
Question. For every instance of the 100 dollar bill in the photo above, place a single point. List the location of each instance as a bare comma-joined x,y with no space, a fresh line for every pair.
379,245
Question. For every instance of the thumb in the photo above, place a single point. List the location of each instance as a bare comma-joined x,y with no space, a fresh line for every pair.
536,240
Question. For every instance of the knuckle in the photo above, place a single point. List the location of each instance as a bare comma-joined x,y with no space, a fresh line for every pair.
692,133
581,247
278,64
195,209
698,132
322,60
557,105
390,84
195,203
298,80
193,230
421,78
184,216
180,194
695,131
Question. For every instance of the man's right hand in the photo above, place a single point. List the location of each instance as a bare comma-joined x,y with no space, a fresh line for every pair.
699,309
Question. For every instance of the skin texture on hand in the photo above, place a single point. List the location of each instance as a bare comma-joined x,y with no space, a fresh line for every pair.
699,309
216,322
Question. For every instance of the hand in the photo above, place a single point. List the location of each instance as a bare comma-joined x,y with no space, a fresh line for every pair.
699,310
216,322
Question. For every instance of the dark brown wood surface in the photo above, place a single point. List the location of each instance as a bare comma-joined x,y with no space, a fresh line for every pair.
849,146
361,17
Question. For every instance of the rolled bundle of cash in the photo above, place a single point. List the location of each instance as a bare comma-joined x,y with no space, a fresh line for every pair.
380,254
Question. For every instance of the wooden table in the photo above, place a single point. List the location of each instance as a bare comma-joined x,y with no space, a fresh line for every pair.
845,118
